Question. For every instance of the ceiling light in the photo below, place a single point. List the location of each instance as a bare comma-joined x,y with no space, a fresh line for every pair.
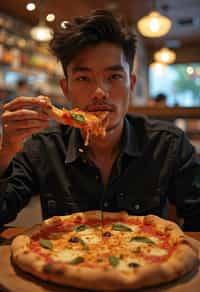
50,17
190,70
30,6
41,32
154,25
165,56
64,24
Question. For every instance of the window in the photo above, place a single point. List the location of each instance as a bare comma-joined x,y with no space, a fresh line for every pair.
179,82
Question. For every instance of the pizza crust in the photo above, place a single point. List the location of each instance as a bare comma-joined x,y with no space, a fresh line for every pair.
183,260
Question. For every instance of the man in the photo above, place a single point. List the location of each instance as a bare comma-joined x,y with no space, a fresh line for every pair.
160,100
136,167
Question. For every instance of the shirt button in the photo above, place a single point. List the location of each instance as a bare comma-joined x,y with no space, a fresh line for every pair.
80,150
105,204
51,203
137,206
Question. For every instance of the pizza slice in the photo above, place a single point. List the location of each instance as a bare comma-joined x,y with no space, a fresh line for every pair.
92,123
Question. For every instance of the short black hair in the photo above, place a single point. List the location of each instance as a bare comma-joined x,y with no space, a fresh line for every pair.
97,27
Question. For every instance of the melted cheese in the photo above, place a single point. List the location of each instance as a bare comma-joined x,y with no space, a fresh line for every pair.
156,251
136,244
89,236
123,264
67,255
95,246
154,239
90,239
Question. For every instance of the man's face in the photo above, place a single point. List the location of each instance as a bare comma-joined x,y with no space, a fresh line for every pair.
99,80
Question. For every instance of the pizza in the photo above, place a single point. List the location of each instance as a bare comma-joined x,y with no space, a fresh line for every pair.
122,252
92,123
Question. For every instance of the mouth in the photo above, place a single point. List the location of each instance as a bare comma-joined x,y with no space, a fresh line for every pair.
100,108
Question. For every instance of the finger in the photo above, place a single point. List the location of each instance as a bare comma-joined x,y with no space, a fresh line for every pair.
25,133
25,124
24,114
23,101
12,139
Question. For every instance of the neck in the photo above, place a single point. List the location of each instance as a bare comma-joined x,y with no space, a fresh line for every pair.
106,146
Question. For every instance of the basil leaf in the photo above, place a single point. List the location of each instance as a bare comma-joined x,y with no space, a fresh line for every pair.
46,243
77,260
113,260
120,227
80,227
142,239
79,118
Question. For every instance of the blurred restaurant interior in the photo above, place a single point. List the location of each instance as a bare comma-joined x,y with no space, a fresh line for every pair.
167,62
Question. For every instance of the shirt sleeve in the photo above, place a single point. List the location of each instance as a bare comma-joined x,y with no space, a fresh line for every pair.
185,185
16,188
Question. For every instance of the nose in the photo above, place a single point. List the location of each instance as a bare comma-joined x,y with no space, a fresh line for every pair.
100,93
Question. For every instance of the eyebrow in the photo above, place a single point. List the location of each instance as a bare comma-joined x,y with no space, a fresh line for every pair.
116,67
80,68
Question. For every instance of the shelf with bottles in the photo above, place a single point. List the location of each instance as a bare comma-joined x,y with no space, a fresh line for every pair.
16,33
19,50
40,83
18,59
22,57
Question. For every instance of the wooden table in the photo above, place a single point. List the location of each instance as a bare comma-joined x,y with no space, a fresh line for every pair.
12,279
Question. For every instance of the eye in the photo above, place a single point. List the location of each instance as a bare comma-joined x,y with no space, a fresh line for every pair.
82,78
116,76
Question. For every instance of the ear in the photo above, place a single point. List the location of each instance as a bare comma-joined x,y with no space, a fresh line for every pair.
133,81
64,86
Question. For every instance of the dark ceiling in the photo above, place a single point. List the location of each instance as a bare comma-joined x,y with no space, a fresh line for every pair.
185,14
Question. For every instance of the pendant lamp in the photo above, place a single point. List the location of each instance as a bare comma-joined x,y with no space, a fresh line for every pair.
165,56
154,24
41,32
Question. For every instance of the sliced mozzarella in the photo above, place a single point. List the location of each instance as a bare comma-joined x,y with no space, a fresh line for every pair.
90,238
122,266
156,251
154,239
136,244
86,232
67,255
124,263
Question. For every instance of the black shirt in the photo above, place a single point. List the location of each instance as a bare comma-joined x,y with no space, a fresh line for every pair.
156,163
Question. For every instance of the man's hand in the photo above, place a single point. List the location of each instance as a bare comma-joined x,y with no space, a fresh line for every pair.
21,118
